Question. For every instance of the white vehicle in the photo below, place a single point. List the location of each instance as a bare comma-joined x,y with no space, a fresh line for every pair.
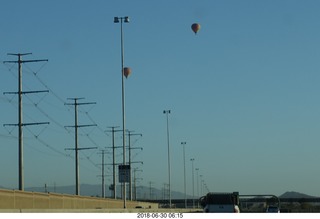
220,202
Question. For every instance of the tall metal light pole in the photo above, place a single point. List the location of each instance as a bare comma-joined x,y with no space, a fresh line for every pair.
167,112
197,169
184,171
201,182
121,20
192,160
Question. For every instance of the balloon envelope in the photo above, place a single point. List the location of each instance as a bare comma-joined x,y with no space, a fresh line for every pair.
126,71
195,27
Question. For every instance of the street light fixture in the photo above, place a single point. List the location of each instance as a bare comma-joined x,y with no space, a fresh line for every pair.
167,112
124,19
121,20
184,171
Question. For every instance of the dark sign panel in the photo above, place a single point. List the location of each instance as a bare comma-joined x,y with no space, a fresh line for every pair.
124,173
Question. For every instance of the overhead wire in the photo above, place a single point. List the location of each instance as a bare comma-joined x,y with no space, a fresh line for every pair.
36,105
46,144
47,115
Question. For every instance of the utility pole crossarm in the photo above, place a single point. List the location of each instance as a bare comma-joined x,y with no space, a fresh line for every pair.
79,126
137,162
79,149
36,123
23,54
115,147
24,61
33,92
141,148
89,148
19,54
26,124
36,60
87,103
10,92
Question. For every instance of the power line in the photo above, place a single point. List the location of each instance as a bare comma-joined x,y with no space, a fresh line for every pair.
61,100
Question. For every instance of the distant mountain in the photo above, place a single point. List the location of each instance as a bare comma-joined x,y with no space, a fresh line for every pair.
143,192
293,194
85,189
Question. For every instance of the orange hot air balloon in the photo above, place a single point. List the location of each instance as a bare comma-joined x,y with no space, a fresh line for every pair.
126,71
195,27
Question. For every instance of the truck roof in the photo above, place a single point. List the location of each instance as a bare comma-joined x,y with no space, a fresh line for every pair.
220,198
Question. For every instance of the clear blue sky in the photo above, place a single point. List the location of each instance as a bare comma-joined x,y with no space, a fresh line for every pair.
243,92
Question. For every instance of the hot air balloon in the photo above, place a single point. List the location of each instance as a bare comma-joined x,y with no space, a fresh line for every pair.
126,71
195,27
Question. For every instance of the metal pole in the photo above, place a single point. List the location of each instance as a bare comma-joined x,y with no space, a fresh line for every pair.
130,179
117,20
76,145
135,183
114,160
76,126
103,183
197,169
185,181
21,171
123,117
130,163
167,112
20,114
201,191
184,171
192,160
121,20
114,166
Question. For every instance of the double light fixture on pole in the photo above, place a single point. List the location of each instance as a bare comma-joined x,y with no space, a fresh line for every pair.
121,20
